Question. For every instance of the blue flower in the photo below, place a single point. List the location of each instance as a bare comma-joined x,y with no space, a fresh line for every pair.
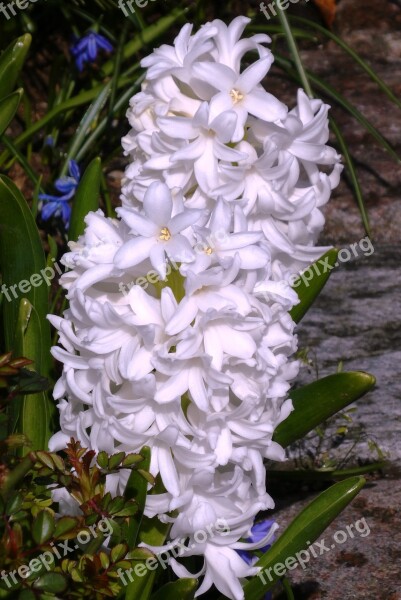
258,532
86,49
58,205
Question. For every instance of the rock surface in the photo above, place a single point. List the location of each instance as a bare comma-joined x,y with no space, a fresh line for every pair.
357,320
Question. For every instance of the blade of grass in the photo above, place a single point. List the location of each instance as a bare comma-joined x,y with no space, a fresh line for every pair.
352,174
292,45
19,157
117,67
329,91
35,197
372,74
87,120
75,102
89,143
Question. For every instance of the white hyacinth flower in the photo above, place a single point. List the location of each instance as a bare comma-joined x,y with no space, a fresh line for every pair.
178,334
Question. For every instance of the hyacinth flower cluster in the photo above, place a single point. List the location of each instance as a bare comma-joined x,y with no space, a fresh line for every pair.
178,334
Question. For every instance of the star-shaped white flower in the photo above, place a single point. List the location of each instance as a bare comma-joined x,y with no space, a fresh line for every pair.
157,232
226,90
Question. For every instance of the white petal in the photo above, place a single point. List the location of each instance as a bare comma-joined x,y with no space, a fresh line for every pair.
158,204
134,252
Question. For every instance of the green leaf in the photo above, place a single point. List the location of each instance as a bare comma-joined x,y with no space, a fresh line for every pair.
184,589
19,237
116,505
54,583
115,460
132,459
317,401
64,525
311,282
140,582
25,306
100,128
129,510
104,560
11,63
46,459
352,174
357,58
43,527
304,529
19,156
293,48
32,413
137,489
86,198
86,123
64,107
103,459
118,552
14,503
8,108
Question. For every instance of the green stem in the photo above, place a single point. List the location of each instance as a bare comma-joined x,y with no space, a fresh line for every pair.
294,51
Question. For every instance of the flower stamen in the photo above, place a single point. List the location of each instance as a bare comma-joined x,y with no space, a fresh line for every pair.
165,234
236,96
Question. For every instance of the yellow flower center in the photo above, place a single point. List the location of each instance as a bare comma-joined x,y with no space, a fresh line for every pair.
208,251
236,96
165,234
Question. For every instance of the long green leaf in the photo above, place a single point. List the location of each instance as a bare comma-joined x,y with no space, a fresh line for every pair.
354,55
86,198
184,589
317,401
311,282
352,174
24,164
87,121
101,127
79,100
8,108
21,255
31,414
25,276
292,45
11,63
301,533
330,92
141,587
